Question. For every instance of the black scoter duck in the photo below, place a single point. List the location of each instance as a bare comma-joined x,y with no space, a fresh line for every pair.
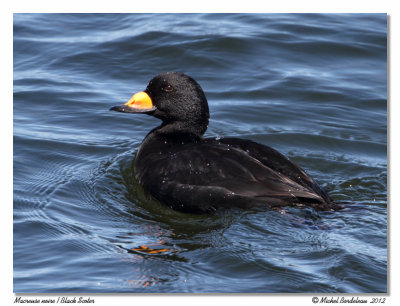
189,173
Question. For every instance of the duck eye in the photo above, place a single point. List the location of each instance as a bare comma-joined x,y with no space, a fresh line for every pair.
168,88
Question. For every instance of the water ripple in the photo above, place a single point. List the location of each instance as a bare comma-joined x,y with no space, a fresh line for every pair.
313,86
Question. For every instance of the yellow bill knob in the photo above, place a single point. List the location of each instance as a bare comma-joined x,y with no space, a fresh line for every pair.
140,100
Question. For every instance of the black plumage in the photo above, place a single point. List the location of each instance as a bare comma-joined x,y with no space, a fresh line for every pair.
187,172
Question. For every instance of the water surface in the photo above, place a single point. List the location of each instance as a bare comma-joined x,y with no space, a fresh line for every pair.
312,86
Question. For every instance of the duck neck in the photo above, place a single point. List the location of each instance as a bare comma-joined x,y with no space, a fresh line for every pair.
180,130
166,135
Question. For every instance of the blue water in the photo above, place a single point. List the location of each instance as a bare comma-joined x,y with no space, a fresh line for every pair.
313,86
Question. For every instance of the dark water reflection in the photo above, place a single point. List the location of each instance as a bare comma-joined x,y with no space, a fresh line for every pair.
312,86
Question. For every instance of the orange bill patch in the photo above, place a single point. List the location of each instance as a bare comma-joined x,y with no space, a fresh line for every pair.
140,100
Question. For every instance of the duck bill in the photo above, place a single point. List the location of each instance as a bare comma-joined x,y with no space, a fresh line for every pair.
139,103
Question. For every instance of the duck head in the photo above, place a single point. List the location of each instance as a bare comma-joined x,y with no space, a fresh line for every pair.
172,97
